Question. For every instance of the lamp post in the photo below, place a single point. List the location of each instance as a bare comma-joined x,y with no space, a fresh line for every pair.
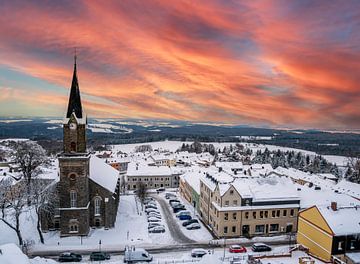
224,248
100,245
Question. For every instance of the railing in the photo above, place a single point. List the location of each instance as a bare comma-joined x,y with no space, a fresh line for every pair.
177,261
336,260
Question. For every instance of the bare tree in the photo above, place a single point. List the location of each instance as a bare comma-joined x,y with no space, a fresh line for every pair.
141,192
13,204
29,156
44,199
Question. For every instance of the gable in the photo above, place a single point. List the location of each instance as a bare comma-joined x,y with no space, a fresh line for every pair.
314,216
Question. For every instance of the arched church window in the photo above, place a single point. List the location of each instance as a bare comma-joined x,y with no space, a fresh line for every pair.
73,147
97,204
73,198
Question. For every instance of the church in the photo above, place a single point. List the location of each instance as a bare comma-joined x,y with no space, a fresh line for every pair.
88,188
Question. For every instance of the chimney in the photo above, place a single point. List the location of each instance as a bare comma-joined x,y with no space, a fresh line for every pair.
334,206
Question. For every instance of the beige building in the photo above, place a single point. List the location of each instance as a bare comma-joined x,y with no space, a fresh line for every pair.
152,176
234,207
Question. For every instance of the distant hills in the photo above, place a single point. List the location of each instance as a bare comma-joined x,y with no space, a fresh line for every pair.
117,131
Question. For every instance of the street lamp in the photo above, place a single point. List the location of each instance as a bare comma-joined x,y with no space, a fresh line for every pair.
100,245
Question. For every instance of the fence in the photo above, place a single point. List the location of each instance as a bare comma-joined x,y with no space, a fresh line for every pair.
177,261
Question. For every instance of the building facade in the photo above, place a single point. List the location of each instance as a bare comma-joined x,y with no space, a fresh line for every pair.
232,211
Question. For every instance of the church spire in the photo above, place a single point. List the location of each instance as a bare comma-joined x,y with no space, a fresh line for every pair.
74,105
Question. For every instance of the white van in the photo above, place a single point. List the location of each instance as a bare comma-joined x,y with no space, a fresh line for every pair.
133,255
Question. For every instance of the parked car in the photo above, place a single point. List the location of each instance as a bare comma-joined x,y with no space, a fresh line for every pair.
198,252
193,226
149,210
237,249
173,200
160,190
151,225
157,229
174,204
149,199
260,247
69,257
150,203
153,219
151,206
133,255
179,205
191,221
184,217
99,256
170,195
183,213
178,209
154,216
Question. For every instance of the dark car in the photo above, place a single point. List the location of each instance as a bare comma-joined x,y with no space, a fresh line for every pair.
184,217
150,206
191,221
98,256
260,247
178,209
160,190
69,257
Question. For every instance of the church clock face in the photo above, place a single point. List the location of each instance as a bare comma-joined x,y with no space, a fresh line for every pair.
73,126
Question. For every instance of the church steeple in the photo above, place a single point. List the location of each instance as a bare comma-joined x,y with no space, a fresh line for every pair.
74,105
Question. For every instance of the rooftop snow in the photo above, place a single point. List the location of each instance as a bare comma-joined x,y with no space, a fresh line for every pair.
103,174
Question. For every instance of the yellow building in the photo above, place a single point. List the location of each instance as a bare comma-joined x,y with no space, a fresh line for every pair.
329,230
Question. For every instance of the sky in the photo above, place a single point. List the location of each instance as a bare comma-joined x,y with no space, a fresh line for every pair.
262,63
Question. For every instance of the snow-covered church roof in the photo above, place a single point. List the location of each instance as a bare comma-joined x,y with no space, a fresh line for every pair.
103,174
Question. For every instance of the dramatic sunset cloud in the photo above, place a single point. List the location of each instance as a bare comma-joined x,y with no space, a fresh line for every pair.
273,63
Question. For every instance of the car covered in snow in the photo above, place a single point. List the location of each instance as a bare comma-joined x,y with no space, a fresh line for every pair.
193,226
151,210
183,213
157,229
198,252
151,225
153,219
170,195
154,216
237,249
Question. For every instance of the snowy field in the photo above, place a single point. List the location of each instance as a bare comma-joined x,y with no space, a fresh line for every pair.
172,146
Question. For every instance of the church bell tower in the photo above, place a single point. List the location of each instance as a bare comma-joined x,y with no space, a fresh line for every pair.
74,165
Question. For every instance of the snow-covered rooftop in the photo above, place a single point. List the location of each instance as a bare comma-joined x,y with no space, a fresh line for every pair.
103,174
343,221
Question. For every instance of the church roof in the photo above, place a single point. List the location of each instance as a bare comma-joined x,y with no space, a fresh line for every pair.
103,174
74,105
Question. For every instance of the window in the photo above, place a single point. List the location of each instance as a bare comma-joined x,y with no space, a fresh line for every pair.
352,244
97,206
235,202
278,213
259,229
340,245
233,229
234,216
292,212
261,214
73,198
246,215
226,216
266,214
231,192
274,227
73,147
284,213
225,229
226,203
273,213
254,215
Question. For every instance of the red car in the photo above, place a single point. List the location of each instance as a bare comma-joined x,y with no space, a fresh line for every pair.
237,249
